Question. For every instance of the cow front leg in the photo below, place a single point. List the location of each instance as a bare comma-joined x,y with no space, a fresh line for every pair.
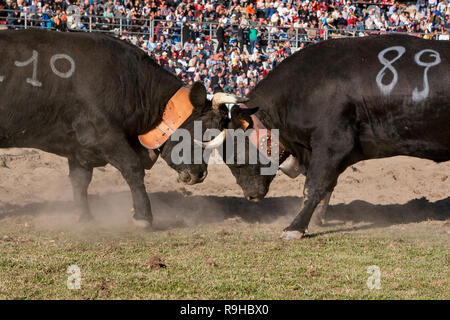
80,177
125,159
298,227
330,156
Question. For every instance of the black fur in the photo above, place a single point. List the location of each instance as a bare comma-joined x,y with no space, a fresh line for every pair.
116,93
331,113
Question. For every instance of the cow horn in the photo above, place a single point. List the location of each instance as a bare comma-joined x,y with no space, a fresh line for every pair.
217,141
225,98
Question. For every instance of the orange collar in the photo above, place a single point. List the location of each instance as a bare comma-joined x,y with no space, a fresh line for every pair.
177,110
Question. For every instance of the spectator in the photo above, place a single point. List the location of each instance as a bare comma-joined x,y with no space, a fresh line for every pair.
241,36
109,16
220,34
252,36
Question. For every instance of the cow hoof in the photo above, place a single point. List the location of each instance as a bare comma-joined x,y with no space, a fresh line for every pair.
291,235
142,224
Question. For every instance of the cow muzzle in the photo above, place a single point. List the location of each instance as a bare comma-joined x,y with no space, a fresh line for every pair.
190,178
256,198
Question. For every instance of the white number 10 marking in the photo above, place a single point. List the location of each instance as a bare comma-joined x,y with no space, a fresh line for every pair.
34,60
64,75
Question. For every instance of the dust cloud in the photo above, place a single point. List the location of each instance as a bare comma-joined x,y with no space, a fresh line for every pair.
35,189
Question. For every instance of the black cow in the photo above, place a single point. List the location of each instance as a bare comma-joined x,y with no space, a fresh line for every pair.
88,97
346,100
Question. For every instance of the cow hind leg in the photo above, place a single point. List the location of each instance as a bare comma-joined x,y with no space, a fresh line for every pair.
318,217
81,177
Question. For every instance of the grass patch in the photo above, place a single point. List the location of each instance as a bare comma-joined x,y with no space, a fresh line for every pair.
230,260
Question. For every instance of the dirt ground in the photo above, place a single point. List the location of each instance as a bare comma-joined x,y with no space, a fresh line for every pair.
386,191
214,244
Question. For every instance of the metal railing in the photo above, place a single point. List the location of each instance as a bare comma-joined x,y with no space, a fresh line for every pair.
173,30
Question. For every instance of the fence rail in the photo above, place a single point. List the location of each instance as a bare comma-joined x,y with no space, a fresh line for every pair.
173,30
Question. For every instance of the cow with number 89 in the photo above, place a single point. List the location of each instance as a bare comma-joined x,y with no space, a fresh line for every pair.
345,100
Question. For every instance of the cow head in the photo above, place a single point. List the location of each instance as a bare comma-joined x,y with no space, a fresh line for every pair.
237,155
211,114
248,176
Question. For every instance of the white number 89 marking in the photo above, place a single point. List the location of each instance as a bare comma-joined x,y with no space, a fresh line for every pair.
386,89
417,95
422,95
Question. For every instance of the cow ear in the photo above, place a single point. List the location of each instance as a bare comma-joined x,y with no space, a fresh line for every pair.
250,111
197,95
240,118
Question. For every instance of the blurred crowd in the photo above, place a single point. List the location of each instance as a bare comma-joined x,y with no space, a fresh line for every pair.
229,45
229,69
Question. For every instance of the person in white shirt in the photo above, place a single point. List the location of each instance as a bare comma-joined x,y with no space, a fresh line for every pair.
275,18
252,72
282,10
349,6
345,13
242,79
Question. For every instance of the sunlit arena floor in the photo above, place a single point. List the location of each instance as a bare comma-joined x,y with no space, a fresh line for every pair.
209,242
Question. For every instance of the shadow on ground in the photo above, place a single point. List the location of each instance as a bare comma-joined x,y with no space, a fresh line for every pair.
174,210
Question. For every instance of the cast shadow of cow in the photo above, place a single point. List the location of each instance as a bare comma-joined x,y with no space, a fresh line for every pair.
174,210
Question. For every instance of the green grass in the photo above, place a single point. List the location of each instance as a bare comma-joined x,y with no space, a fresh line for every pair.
230,260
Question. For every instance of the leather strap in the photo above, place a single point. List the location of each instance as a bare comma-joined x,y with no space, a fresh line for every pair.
264,141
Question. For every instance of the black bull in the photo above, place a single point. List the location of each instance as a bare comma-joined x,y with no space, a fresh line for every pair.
347,100
87,97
